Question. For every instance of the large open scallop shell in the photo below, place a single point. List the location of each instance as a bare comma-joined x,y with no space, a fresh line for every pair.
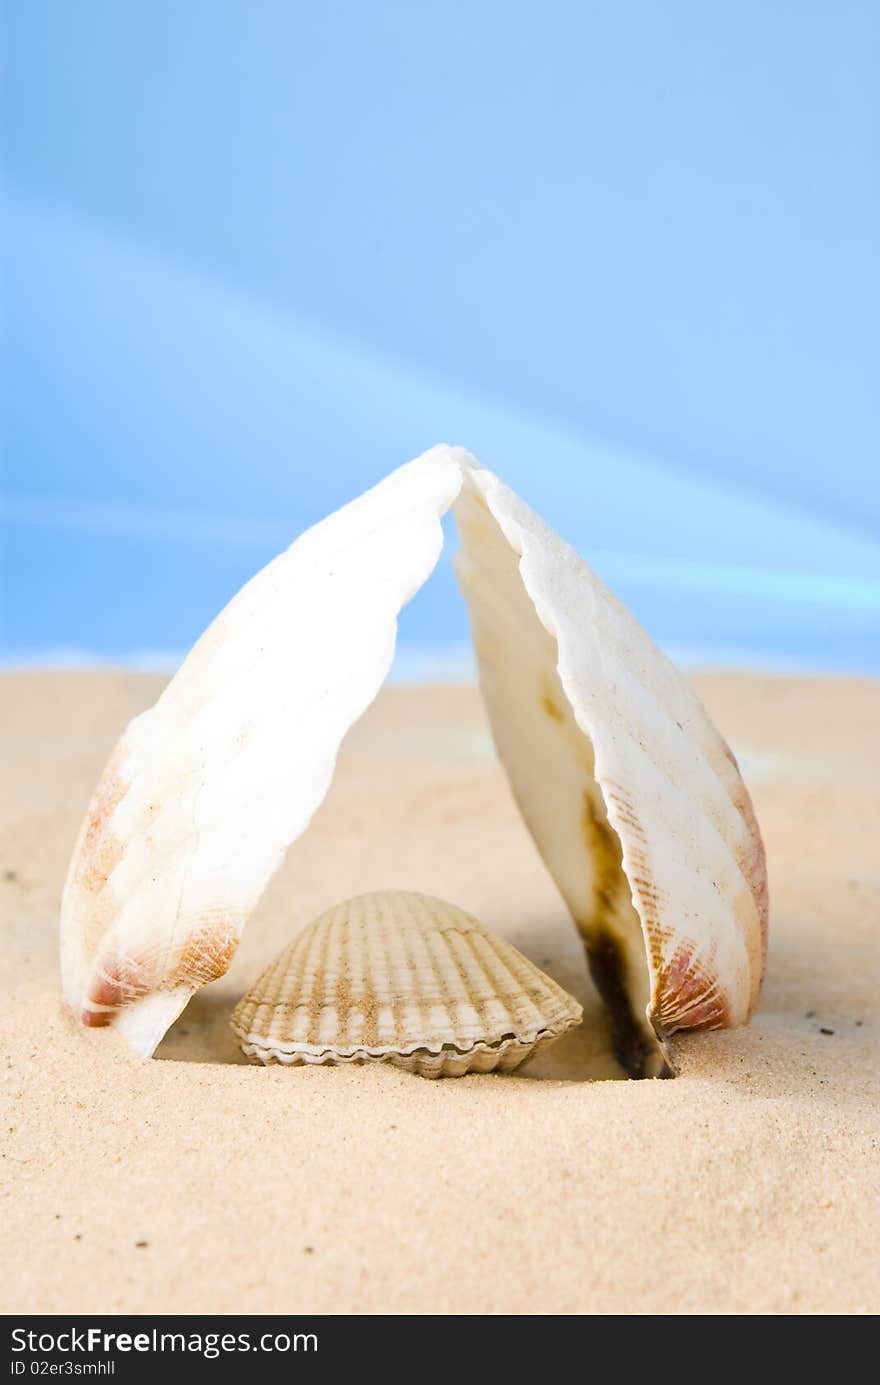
407,979
207,789
632,796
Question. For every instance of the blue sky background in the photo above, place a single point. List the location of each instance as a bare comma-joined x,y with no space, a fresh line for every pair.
256,254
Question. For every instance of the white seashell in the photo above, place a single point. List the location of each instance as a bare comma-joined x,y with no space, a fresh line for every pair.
402,978
632,796
206,790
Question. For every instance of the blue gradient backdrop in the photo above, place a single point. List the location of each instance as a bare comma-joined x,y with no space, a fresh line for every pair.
257,253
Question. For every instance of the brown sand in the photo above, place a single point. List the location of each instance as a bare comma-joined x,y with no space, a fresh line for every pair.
197,1182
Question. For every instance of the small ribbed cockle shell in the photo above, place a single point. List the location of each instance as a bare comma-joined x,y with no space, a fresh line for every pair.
402,978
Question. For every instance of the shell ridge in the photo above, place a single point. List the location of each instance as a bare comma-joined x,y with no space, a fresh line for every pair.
466,1000
434,943
497,968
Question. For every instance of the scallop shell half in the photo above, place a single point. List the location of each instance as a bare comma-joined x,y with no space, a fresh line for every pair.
633,798
407,979
207,789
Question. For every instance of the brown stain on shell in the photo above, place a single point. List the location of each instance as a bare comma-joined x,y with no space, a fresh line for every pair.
551,707
117,982
208,951
606,854
687,994
753,864
100,851
691,996
204,956
635,1047
638,1049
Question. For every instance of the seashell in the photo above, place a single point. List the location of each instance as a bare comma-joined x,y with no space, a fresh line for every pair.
207,788
633,798
402,978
